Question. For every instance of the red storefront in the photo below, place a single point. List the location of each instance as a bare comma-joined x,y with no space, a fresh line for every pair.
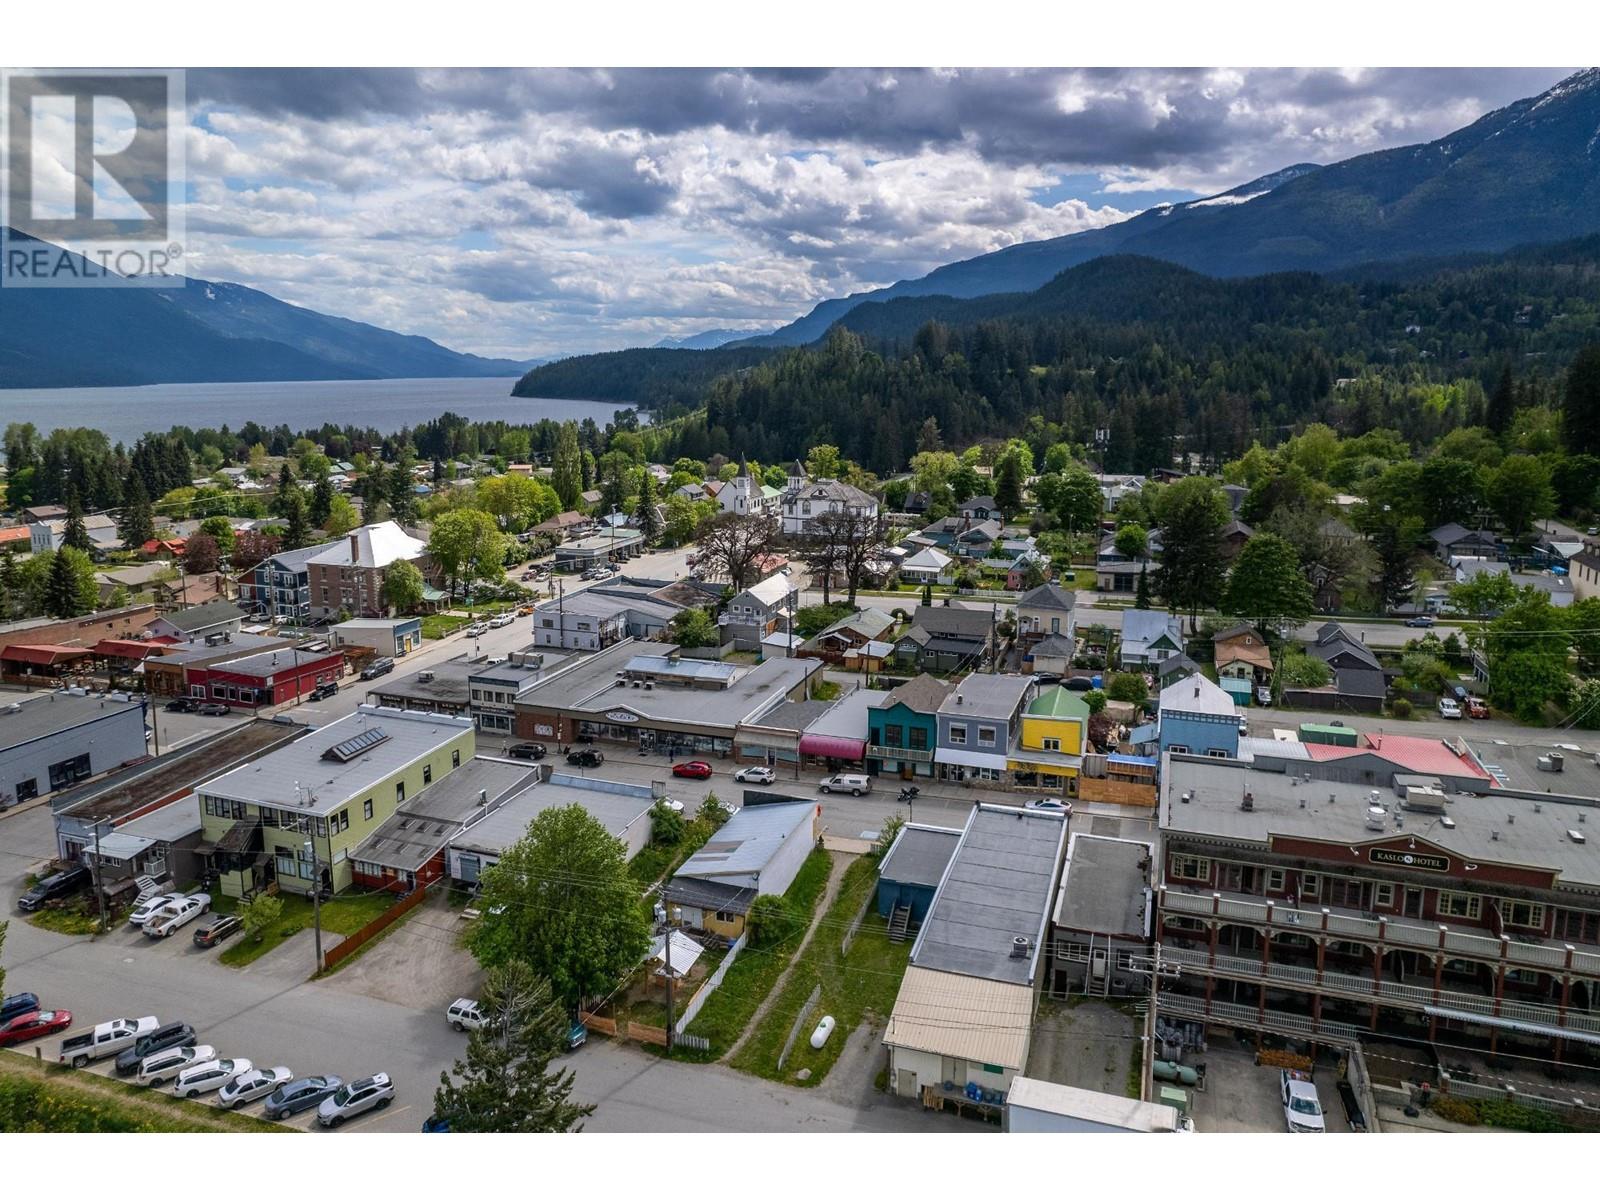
266,678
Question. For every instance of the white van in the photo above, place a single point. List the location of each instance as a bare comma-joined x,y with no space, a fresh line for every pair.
856,785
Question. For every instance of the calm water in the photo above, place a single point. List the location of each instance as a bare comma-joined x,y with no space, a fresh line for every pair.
384,404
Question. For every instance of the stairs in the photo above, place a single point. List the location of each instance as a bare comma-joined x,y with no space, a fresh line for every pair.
900,923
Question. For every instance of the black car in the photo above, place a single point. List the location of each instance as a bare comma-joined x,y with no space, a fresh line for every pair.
528,750
300,1095
15,1006
584,758
378,666
216,929
1080,683
323,690
183,704
163,1037
54,887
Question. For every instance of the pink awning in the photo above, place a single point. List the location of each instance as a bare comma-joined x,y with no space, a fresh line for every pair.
825,745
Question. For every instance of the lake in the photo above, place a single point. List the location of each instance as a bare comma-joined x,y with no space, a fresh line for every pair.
387,405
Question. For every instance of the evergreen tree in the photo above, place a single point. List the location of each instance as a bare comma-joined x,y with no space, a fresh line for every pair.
137,524
65,594
286,488
9,599
1141,598
1008,486
614,494
402,496
298,533
645,514
321,501
505,1084
1267,586
1502,403
1193,571
566,468
1580,413
75,535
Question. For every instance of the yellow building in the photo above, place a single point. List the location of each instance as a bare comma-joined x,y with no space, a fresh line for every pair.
1049,752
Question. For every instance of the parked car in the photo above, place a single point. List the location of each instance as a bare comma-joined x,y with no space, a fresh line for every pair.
210,1076
585,758
377,667
531,751
693,769
299,1095
325,689
252,1085
434,1124
54,887
1477,709
162,1037
176,915
106,1038
34,1024
476,629
213,709
166,1065
1421,621
466,1014
502,620
18,1004
856,785
1079,683
1301,1108
355,1098
150,905
183,704
761,775
216,930
1449,709
577,1035
1049,804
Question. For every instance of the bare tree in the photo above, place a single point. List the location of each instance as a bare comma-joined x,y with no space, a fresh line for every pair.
822,553
735,542
855,540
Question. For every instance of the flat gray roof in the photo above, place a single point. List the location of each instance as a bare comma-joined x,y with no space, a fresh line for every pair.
449,683
1103,885
1536,838
920,855
994,696
329,784
27,718
617,810
999,886
239,645
422,826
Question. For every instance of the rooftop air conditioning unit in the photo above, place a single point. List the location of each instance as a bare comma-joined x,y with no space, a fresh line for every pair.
1019,947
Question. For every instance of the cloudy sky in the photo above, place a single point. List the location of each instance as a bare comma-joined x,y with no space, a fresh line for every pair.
554,212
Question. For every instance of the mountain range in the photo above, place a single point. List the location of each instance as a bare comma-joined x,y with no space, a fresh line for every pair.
1525,173
708,339
203,332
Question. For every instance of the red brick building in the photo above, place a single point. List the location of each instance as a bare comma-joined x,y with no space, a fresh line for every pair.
266,678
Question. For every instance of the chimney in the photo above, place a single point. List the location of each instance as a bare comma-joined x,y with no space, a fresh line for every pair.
1248,804
355,548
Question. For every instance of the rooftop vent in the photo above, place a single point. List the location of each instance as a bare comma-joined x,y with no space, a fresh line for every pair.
424,676
1019,947
1448,822
1576,835
1185,798
1375,815
1511,818
1494,835
1248,804
1554,762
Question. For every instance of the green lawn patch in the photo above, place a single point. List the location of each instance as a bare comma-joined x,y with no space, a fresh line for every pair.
50,1099
74,921
866,980
342,915
755,971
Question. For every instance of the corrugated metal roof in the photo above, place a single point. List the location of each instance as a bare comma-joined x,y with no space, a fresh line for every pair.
962,1016
749,840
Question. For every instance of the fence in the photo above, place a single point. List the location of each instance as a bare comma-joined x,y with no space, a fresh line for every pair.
1574,1111
639,1032
1360,1081
372,929
800,1020
692,1009
855,923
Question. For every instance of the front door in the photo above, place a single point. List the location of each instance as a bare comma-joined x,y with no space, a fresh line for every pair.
907,1082
1413,902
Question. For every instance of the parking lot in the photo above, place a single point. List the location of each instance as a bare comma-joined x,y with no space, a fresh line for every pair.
1241,1097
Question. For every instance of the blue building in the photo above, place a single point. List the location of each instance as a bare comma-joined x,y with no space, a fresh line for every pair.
1198,717
911,873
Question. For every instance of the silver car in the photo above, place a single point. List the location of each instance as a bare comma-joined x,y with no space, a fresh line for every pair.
252,1085
209,1077
166,1065
352,1099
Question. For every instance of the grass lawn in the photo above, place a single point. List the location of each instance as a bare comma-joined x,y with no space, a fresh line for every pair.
50,1099
73,921
436,626
342,915
865,980
756,970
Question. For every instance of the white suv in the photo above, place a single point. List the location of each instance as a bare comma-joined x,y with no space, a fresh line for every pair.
1449,709
208,1077
856,785
355,1098
166,1065
465,1014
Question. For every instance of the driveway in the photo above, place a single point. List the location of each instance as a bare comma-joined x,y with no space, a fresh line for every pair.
420,963
1087,1045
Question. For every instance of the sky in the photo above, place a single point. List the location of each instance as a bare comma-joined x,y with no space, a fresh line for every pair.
551,212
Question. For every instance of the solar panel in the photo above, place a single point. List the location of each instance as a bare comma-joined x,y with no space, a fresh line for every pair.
353,746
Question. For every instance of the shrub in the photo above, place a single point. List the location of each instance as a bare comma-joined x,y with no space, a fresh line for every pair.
1302,671
1128,687
1096,700
1400,707
1462,1112
666,826
771,919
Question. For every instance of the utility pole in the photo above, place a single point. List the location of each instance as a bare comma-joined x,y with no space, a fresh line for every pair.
316,898
99,892
155,726
666,952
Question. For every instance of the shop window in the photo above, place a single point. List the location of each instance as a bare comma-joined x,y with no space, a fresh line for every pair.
1522,913
958,735
427,773
1459,904
1190,867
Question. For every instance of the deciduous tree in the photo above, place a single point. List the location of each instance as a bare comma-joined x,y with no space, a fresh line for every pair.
402,587
1266,585
734,543
467,547
566,468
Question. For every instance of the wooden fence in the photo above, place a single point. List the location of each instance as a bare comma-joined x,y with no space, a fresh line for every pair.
1116,791
372,929
638,1032
698,1000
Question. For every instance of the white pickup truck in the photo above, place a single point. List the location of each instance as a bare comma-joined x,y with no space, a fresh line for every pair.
104,1040
164,922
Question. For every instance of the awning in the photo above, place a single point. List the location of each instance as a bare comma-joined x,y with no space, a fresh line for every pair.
1455,1014
43,656
971,758
685,952
1021,758
123,846
825,745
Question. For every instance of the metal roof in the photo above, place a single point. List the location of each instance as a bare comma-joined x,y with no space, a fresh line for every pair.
960,1016
43,714
920,855
1196,694
617,806
1138,1116
998,887
203,616
424,825
746,844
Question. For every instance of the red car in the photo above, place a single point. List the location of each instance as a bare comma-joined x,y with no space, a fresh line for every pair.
33,1025
693,769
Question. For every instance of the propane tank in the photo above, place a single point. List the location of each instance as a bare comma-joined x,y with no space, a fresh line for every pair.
1172,1072
819,1036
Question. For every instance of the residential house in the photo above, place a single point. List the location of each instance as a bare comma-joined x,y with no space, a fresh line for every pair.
903,731
801,505
946,638
845,640
593,619
963,1019
564,525
979,722
1359,683
279,588
1241,654
1049,752
1234,535
928,565
1051,654
199,621
1114,487
1457,541
757,611
981,508
1236,494
347,576
1559,587
758,852
335,786
1148,636
1195,716
622,808
1584,571
1046,611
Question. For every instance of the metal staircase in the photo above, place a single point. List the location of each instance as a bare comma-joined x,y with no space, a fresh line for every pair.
900,923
